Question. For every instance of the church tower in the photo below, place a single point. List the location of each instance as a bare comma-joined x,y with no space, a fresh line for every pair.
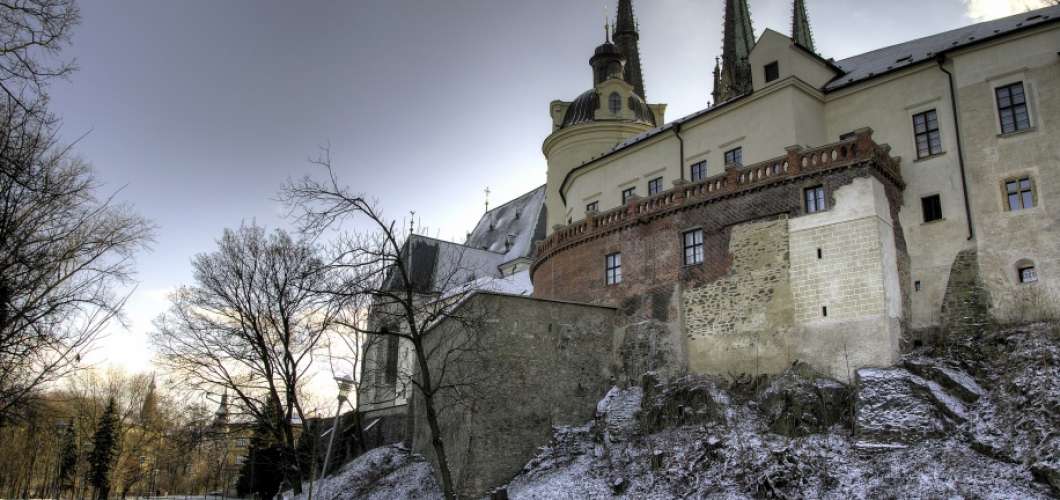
600,118
800,26
734,77
628,41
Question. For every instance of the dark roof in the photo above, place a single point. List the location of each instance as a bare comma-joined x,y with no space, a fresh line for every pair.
881,61
583,109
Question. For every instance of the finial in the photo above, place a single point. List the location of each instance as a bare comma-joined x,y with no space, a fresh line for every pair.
412,222
487,198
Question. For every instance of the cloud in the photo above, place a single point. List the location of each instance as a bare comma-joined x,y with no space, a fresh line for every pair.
983,10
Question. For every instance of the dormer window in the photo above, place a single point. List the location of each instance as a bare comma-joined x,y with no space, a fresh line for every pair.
614,103
772,71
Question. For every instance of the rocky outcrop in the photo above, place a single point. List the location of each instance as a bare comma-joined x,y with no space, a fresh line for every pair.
800,402
689,400
894,408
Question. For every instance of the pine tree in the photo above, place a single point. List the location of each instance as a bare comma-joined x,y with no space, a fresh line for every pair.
67,458
104,447
262,471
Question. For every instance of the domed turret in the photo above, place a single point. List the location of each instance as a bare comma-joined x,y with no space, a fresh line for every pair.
607,62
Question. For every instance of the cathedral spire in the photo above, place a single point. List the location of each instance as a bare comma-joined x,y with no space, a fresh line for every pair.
627,39
800,26
735,77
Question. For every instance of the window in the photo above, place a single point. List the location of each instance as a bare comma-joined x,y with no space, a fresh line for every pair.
699,171
391,367
592,207
1020,193
1012,108
693,242
655,186
1028,274
772,71
932,206
614,103
627,194
814,199
613,268
926,130
734,156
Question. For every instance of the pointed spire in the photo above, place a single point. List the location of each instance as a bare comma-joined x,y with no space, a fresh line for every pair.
800,26
627,39
738,40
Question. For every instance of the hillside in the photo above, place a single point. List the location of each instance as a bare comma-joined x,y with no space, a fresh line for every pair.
978,418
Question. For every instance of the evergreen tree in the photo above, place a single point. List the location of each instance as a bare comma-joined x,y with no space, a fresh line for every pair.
262,471
67,458
104,448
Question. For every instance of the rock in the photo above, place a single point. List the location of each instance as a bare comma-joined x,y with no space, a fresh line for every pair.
953,380
894,407
617,413
800,402
689,400
1048,472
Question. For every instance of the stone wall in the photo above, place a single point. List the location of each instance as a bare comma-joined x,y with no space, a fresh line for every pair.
515,367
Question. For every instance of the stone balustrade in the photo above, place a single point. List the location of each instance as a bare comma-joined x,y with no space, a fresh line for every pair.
798,162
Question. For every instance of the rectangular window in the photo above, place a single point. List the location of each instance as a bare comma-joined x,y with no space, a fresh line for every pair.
814,199
627,194
613,268
1028,275
699,171
1012,108
734,156
693,243
772,71
391,369
1020,193
932,206
655,186
592,207
926,131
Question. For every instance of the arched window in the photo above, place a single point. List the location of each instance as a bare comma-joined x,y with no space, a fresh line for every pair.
614,103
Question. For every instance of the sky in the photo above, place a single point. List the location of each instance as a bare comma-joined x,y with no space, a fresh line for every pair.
197,111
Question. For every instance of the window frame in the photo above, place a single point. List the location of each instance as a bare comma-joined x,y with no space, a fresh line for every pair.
658,185
628,194
614,103
613,268
775,66
1012,107
736,154
702,166
819,200
927,133
696,246
1021,193
592,206
924,207
1020,274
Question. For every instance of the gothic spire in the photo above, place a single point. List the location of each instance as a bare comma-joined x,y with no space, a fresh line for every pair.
627,39
800,26
739,37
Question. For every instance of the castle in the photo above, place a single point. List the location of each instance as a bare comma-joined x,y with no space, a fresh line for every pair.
823,211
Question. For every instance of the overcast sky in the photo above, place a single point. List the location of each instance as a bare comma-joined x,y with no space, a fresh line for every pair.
200,110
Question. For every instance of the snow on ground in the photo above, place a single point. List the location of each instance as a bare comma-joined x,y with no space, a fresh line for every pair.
386,473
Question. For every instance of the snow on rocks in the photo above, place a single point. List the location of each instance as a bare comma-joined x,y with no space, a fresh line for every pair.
386,473
896,407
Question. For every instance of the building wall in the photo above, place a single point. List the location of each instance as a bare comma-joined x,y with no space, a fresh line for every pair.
528,365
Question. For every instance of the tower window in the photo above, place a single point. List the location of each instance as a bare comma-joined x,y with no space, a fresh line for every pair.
655,186
932,207
926,130
627,194
772,71
592,207
814,199
391,368
699,171
1020,193
734,157
613,268
1028,274
1012,108
614,103
693,243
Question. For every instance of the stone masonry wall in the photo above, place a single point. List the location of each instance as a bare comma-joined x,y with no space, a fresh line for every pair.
849,282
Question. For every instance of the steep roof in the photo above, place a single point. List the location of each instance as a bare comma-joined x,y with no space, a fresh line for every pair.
880,61
522,218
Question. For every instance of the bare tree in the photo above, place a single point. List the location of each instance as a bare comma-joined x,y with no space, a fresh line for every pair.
250,326
32,33
384,298
63,253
